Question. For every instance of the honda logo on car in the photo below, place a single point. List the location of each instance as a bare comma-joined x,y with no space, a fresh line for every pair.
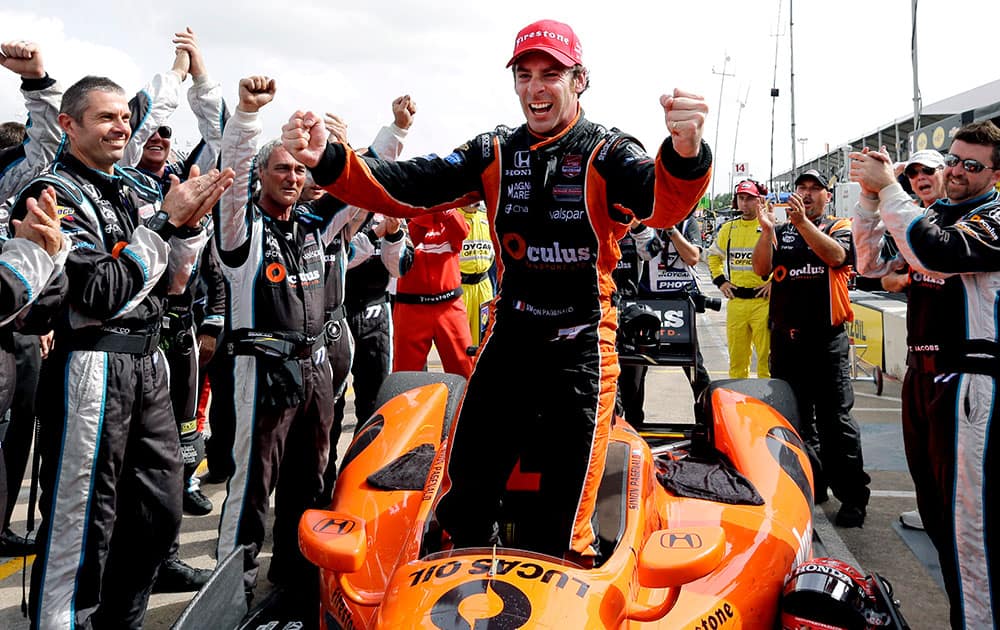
335,526
679,540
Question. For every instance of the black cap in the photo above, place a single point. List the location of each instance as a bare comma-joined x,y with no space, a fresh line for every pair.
814,174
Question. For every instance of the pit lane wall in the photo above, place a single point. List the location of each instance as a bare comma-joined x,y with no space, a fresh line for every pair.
879,331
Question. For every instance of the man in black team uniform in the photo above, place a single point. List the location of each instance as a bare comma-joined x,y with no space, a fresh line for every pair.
560,192
369,314
953,359
110,451
810,259
178,339
31,273
272,254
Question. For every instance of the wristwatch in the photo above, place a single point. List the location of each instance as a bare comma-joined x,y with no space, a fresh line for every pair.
160,223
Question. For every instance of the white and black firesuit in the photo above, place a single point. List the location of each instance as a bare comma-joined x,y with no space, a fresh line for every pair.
950,388
111,459
276,331
19,164
179,335
27,273
558,207
662,274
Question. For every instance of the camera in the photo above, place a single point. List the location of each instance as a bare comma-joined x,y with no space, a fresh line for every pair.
176,333
702,302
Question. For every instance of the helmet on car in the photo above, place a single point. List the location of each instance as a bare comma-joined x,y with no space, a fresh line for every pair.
826,593
638,329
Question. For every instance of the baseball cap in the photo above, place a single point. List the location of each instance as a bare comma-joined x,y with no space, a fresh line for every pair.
548,36
927,157
814,174
748,187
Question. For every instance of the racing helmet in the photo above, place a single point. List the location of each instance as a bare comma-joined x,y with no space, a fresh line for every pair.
638,328
825,593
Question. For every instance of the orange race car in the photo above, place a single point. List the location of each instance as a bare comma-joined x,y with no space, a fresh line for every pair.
700,526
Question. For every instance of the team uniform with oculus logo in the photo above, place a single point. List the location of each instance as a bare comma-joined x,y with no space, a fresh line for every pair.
554,323
809,349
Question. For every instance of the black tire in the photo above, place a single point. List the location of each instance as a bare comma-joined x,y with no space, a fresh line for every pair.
772,391
399,382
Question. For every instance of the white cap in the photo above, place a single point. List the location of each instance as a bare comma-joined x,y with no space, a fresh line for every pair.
927,157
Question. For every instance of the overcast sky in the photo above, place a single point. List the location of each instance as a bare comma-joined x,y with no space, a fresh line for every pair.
851,60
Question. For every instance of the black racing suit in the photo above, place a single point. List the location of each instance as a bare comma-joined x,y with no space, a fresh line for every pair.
29,277
369,316
110,452
949,390
558,207
276,325
179,335
809,349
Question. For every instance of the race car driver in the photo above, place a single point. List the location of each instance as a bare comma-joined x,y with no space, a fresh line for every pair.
560,191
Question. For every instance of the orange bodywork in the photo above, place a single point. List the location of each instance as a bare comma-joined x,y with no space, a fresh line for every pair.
677,563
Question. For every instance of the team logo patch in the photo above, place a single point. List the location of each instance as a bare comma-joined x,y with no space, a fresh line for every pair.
65,212
514,245
275,272
522,159
572,165
567,193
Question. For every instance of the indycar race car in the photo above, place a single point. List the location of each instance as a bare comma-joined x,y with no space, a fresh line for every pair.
700,526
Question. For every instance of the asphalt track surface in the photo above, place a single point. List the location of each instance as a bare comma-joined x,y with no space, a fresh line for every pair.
904,557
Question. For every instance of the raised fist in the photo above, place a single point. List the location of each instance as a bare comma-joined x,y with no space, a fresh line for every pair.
255,92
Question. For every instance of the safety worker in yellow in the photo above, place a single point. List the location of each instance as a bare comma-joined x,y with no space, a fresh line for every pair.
730,263
475,262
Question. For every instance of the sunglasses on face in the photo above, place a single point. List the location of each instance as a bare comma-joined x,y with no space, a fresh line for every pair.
970,165
914,170
165,132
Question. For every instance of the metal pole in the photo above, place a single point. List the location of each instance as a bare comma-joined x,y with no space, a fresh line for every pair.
774,95
736,136
718,118
916,81
791,70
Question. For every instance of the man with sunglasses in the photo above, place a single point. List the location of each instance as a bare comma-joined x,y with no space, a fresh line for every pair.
184,339
924,172
950,388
